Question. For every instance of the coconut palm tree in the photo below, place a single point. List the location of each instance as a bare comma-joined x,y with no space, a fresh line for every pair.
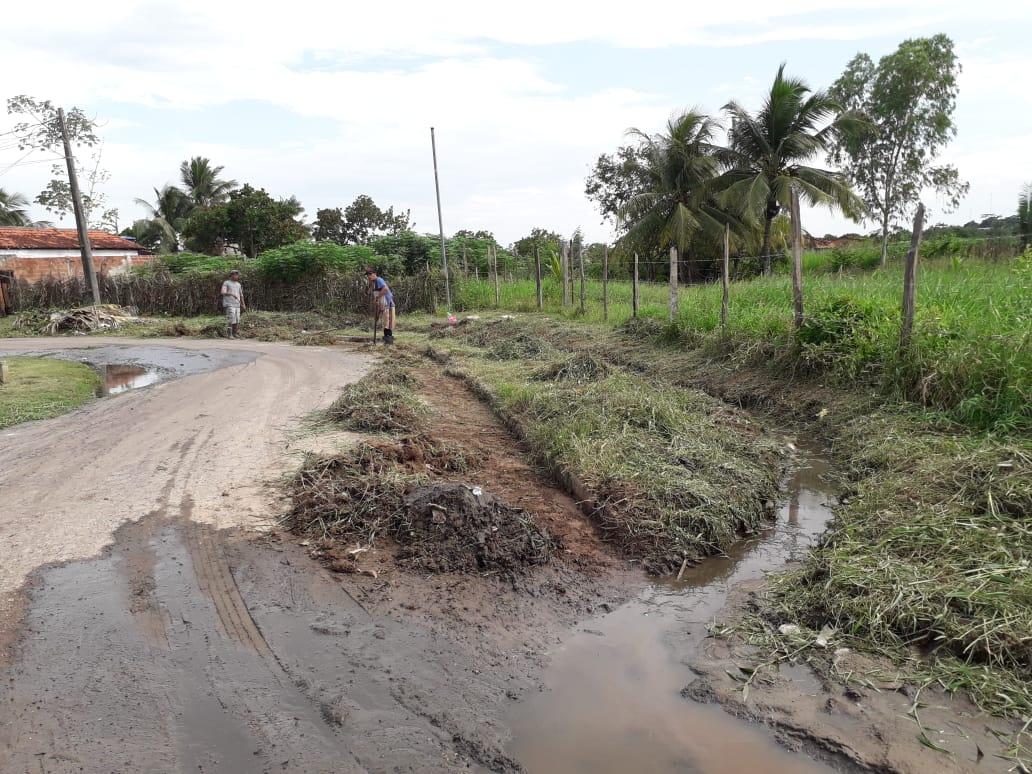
202,183
770,152
14,210
680,167
171,207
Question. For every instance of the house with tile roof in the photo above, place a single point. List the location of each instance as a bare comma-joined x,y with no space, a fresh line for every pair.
33,254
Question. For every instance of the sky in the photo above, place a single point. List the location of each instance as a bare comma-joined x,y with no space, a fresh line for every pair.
327,101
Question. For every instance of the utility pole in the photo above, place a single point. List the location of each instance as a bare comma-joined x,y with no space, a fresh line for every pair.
80,218
440,224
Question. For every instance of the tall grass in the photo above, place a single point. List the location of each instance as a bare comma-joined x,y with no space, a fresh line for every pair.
971,356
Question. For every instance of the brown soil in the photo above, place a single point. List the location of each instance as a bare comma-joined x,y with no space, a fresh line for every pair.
503,469
854,707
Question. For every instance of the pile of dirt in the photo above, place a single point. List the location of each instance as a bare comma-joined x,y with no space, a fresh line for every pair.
456,527
397,490
85,319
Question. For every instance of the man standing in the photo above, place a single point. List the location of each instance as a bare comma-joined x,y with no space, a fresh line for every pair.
384,300
233,302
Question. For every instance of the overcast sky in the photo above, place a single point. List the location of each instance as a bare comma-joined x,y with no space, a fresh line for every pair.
326,101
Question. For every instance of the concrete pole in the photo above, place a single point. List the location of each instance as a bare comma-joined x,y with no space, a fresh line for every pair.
89,274
440,224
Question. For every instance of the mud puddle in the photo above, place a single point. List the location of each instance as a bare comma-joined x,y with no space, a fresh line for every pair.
122,377
129,367
612,700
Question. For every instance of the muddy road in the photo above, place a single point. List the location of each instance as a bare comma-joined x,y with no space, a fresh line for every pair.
215,438
156,622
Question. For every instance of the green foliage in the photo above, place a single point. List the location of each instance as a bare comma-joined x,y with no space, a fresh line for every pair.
14,209
770,153
293,261
931,549
250,218
971,358
906,102
202,184
359,222
678,168
185,262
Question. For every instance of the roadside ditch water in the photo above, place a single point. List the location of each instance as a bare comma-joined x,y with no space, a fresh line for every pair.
612,700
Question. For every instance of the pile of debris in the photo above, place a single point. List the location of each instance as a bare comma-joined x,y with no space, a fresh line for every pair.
85,319
397,490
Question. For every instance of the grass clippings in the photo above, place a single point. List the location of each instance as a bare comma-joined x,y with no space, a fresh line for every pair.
672,472
382,401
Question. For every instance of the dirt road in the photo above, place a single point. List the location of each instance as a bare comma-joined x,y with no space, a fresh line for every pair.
152,628
207,443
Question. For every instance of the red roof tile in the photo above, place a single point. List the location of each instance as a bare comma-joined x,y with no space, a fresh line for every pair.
23,238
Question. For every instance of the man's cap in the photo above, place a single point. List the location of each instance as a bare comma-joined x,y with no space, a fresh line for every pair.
234,271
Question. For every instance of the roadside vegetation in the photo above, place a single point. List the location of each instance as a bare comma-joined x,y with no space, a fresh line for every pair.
671,475
42,388
971,357
927,561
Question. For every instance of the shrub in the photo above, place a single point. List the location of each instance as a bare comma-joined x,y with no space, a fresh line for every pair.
304,258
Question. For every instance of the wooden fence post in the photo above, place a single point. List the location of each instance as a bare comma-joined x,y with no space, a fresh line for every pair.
724,278
537,278
634,288
673,283
498,290
580,257
910,279
565,261
605,283
797,260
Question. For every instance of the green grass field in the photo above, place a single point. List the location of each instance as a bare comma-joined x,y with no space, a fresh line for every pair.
971,356
41,388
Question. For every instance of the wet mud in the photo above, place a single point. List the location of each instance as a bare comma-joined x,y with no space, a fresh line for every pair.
613,692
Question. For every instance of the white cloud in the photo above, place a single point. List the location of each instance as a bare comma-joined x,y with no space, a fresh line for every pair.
515,144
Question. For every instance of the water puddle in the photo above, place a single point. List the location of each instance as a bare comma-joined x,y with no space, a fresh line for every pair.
122,377
612,701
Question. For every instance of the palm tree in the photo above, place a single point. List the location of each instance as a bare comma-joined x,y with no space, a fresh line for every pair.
768,155
146,232
202,184
14,210
680,168
171,207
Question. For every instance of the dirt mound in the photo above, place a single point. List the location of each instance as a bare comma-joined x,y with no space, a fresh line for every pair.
455,527
393,489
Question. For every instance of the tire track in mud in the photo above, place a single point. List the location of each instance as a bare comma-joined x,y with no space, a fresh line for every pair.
215,579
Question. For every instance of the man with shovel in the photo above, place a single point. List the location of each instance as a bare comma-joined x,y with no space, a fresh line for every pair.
383,300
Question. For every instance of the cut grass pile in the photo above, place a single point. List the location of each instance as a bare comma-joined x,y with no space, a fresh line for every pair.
409,489
302,328
971,356
929,560
382,401
41,388
673,473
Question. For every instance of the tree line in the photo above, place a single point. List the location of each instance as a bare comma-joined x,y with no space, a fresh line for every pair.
881,124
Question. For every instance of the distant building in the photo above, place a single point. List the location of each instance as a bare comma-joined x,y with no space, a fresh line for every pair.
33,254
